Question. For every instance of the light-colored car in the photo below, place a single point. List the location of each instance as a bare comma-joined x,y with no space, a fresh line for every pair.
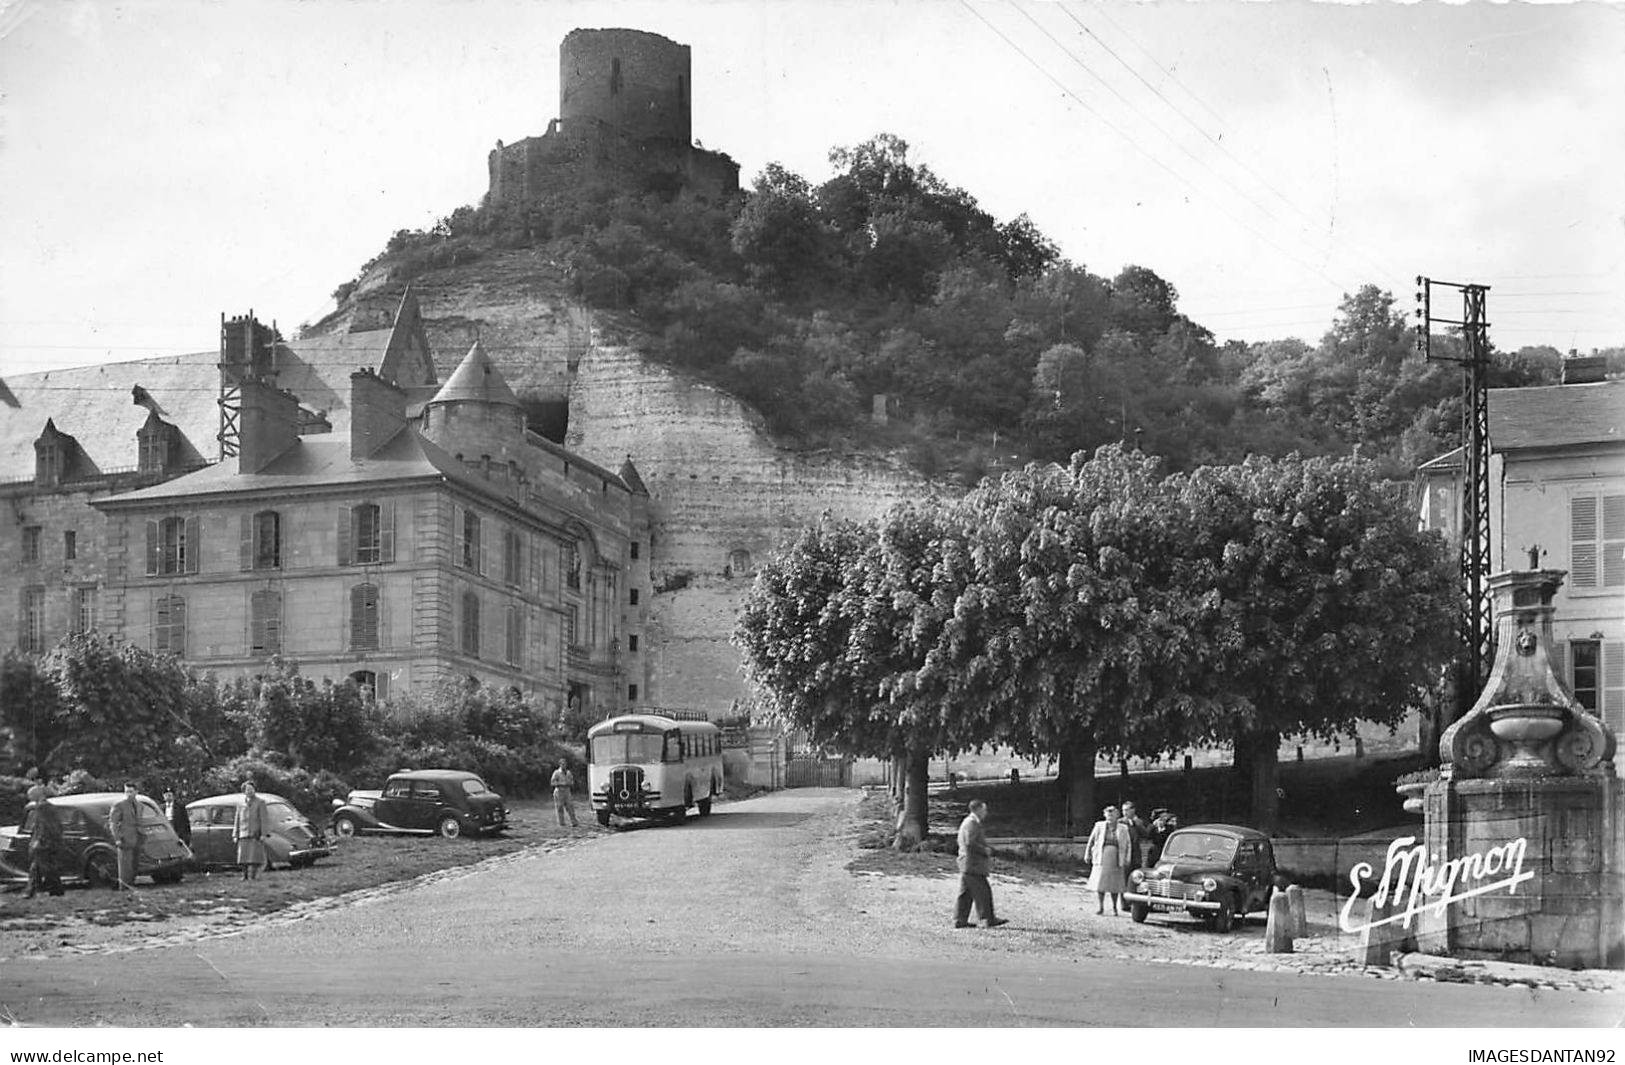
293,840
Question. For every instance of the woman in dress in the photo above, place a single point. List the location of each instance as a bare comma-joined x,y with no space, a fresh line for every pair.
1109,856
251,828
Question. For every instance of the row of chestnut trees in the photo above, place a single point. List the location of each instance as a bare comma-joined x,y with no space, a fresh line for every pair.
94,712
1104,608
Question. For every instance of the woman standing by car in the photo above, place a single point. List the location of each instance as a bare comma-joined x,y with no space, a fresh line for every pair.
1109,858
253,822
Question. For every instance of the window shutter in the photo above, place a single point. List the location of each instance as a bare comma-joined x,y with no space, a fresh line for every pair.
482,533
386,532
245,545
382,619
152,548
380,685
459,535
1612,701
1583,542
1613,541
535,583
346,536
346,608
193,545
177,625
255,628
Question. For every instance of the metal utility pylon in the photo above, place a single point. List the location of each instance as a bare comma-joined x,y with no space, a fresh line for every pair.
1477,627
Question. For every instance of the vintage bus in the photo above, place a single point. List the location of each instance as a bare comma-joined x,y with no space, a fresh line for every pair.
646,765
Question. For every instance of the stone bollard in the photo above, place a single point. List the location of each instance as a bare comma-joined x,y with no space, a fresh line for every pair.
1300,911
1278,932
1378,942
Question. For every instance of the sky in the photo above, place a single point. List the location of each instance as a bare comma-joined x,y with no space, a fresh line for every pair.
166,161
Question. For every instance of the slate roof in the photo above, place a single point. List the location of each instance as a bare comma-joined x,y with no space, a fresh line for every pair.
1557,415
475,379
96,406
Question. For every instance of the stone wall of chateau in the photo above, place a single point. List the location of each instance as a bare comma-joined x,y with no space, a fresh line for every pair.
722,498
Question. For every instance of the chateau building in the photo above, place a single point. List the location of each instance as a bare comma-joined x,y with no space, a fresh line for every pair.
410,531
1557,487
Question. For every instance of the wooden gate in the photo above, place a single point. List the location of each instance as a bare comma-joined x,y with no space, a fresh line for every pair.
815,771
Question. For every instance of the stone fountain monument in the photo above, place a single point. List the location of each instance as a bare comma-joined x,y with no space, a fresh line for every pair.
1521,836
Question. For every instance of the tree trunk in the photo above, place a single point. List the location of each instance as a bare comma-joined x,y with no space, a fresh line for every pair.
1257,762
912,822
1077,780
895,786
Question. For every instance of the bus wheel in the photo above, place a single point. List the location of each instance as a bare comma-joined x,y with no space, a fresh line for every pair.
680,814
705,806
603,818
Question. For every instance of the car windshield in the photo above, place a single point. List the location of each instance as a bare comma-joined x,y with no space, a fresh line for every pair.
475,786
1200,846
631,748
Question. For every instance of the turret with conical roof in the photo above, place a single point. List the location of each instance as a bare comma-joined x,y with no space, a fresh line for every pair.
475,414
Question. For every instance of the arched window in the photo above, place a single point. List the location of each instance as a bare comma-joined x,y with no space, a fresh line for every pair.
373,685
364,617
265,540
366,534
738,562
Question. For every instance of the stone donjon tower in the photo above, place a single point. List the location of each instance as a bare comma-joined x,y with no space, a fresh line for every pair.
624,119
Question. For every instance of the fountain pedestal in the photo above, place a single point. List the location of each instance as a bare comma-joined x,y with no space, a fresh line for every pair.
1527,763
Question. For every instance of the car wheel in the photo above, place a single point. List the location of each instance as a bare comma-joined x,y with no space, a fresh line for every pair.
1225,919
603,818
1139,911
450,827
101,868
345,827
171,876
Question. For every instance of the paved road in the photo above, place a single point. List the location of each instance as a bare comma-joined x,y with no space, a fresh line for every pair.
746,918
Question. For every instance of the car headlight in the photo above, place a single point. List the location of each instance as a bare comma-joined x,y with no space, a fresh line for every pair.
1138,876
1209,884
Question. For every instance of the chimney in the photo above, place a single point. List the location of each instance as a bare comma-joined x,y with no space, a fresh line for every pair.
1584,369
269,425
377,413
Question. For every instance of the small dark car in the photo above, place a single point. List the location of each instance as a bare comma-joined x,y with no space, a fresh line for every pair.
1219,873
88,851
293,841
448,801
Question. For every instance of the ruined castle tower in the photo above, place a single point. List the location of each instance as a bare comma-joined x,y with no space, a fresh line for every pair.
624,120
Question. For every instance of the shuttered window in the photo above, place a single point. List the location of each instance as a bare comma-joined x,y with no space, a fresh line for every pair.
265,622
169,625
1597,540
364,625
173,546
516,636
470,541
31,630
513,557
471,624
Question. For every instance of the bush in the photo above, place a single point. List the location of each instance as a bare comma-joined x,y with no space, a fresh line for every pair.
312,795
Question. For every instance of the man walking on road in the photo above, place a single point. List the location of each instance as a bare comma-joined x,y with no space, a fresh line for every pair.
562,782
124,825
975,858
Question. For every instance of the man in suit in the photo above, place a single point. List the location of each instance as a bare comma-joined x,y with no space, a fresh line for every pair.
124,824
975,857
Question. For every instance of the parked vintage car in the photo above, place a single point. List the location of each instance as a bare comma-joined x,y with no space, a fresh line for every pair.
89,851
448,801
293,841
1219,873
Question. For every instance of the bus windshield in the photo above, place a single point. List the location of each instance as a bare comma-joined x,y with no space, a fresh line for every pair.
627,748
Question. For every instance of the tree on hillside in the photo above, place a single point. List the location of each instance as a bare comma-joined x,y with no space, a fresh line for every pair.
780,235
1330,606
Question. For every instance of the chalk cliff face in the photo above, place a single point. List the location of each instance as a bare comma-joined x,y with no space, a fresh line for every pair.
723,495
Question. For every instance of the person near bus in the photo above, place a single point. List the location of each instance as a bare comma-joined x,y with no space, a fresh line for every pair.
975,859
562,781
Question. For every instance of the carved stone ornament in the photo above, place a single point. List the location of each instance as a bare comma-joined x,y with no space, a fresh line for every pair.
1526,722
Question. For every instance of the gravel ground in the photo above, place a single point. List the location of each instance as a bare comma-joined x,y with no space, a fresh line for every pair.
574,894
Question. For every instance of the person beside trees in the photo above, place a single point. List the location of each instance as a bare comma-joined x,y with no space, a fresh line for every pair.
44,845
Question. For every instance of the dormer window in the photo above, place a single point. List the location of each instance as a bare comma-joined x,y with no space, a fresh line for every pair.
47,463
154,439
